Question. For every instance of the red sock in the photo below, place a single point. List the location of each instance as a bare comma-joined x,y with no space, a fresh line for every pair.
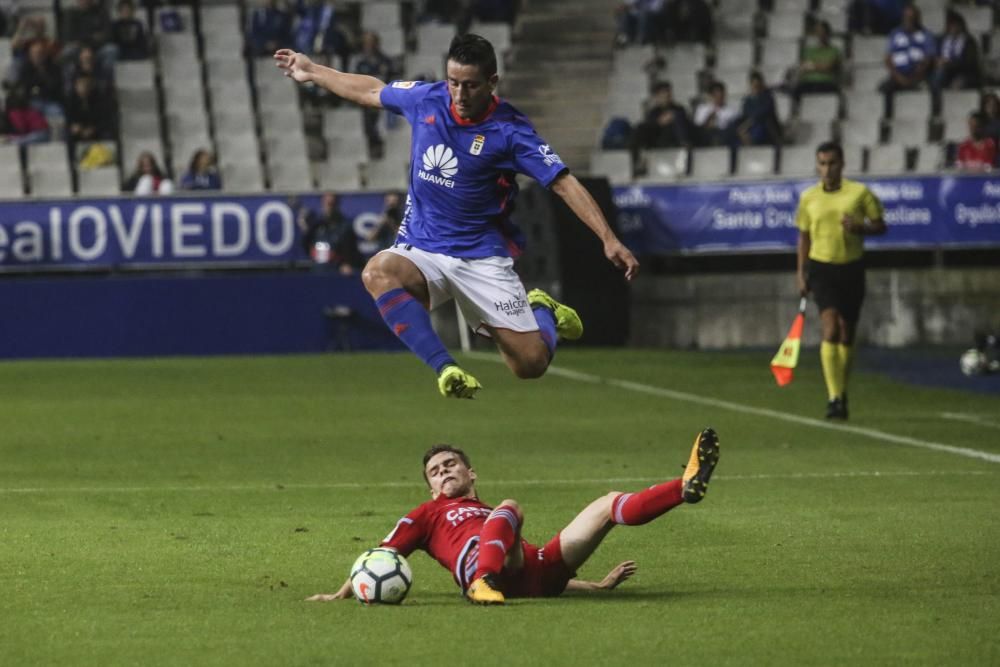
634,509
496,538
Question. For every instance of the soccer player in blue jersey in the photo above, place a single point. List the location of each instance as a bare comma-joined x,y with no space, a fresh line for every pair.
456,240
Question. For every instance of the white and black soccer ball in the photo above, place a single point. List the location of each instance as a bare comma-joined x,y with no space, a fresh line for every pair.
381,576
973,362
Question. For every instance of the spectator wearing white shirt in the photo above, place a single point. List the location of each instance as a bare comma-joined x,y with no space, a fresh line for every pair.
715,119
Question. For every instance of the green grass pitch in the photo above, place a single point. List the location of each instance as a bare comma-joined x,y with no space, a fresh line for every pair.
177,512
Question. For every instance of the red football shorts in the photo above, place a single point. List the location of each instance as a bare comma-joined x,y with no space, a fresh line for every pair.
544,573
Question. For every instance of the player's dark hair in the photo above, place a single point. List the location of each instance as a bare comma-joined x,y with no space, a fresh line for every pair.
831,147
471,49
437,449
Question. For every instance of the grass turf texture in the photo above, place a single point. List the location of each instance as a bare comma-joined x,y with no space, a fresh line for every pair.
178,511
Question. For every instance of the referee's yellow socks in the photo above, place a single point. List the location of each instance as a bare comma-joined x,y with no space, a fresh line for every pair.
833,369
845,354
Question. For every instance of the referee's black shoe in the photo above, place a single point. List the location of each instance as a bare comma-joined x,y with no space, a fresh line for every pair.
836,408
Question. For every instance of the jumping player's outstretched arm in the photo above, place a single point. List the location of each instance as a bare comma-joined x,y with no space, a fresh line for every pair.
358,88
583,205
345,593
617,575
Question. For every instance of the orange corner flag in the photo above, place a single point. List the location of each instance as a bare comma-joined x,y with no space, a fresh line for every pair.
784,362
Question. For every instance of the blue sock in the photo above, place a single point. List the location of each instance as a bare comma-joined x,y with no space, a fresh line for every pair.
412,325
547,327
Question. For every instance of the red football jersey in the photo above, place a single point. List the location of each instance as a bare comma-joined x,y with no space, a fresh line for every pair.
448,530
977,155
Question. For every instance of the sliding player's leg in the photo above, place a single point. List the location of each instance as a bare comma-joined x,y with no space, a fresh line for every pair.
585,533
402,293
499,548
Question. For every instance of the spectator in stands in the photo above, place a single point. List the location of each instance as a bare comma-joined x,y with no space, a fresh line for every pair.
89,117
910,53
328,236
640,21
958,57
22,123
148,178
392,213
989,105
758,123
978,152
373,235
819,70
43,82
875,16
666,124
201,173
689,21
29,29
269,28
85,64
715,119
373,62
313,18
89,24
129,34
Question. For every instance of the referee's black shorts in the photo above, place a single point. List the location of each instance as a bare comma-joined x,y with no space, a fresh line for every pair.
838,286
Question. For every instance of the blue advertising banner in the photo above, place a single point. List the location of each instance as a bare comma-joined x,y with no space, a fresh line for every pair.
156,232
930,212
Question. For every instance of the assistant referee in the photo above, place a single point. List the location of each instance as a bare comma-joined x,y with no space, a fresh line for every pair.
833,217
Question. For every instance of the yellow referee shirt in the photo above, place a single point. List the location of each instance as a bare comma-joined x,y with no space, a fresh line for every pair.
821,214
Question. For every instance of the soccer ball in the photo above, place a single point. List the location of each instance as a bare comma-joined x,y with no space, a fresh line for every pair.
973,362
381,576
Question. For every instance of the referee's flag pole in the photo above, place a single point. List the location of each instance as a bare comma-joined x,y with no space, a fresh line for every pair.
787,358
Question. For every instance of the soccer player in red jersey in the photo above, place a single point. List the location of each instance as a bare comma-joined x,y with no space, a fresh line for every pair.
482,546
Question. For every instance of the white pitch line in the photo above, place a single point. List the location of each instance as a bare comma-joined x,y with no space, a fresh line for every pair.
501,482
762,412
971,419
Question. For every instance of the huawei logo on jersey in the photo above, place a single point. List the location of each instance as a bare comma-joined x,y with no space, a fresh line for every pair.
440,159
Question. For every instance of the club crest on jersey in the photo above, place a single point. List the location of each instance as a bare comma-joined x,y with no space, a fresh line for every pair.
477,144
548,157
403,84
440,159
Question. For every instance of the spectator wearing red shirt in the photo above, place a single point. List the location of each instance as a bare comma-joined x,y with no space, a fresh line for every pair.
979,151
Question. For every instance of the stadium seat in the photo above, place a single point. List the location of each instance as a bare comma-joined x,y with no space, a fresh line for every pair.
434,38
810,133
755,162
684,57
232,119
734,54
933,19
958,103
616,166
628,107
397,143
779,53
345,120
632,58
242,178
783,106
887,159
134,75
955,129
11,178
908,131
103,182
386,174
377,15
863,105
736,81
233,69
292,175
666,164
347,146
734,19
819,108
139,124
798,161
860,131
340,174
930,159
184,12
48,170
131,148
428,68
237,147
392,41
868,50
979,19
854,161
911,105
786,25
711,163
868,77
498,34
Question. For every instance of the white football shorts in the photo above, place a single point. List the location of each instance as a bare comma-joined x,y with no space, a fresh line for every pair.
487,290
